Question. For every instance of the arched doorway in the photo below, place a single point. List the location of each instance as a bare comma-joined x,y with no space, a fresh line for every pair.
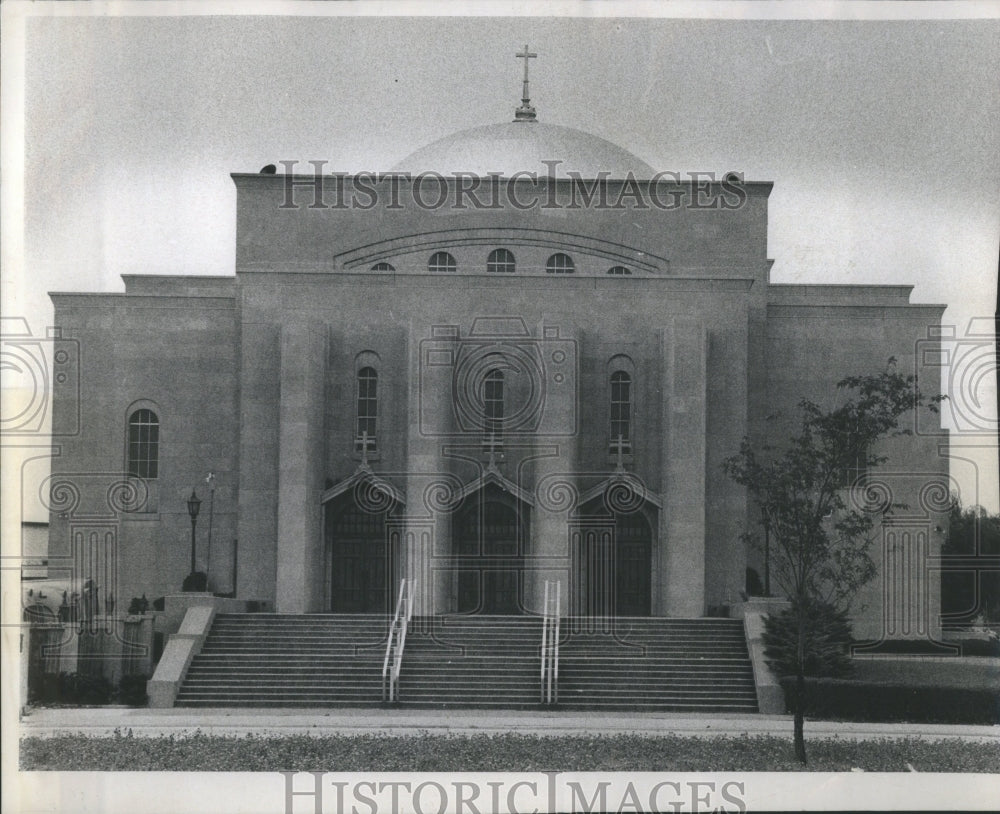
612,563
362,552
489,536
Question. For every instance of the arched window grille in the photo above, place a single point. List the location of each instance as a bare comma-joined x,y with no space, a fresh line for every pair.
367,410
621,413
501,261
493,411
441,261
143,444
383,267
620,271
560,263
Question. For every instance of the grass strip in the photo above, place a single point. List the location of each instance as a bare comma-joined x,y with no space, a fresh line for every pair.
505,752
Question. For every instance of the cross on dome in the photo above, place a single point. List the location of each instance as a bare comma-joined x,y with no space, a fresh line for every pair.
525,113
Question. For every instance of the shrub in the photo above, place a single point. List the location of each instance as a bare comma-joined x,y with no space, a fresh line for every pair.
132,690
827,640
72,688
196,581
851,700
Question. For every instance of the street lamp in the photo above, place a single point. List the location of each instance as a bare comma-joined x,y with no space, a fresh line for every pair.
210,480
194,504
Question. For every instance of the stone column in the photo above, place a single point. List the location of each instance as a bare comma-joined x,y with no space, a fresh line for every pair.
679,586
555,468
258,491
301,453
427,541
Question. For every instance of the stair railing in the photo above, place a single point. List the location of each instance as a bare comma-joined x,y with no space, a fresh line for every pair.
550,642
390,644
401,640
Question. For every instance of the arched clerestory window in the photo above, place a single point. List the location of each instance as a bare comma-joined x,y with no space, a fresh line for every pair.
560,263
501,261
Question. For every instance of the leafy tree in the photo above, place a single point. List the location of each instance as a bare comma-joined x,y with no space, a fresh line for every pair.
972,532
819,543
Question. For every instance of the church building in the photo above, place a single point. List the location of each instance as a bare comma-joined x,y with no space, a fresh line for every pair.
519,356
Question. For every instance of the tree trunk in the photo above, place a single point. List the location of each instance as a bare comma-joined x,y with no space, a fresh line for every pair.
800,707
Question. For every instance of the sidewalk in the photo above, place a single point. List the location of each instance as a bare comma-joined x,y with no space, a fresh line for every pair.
103,721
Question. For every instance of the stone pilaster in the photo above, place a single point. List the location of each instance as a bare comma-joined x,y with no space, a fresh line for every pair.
301,453
679,587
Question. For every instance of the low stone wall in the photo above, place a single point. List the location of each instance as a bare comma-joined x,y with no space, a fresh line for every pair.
770,695
181,649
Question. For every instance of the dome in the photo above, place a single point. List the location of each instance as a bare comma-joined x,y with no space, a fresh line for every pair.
522,146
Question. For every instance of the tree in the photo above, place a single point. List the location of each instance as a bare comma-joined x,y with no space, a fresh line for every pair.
819,543
972,532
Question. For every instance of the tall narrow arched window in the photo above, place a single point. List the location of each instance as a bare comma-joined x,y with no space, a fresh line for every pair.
144,444
367,410
493,410
500,261
621,412
560,263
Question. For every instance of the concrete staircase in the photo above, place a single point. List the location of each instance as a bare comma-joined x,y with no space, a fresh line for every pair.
472,661
653,664
317,660
283,660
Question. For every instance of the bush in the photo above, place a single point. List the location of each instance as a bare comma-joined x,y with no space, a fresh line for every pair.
72,688
196,581
132,691
850,700
827,640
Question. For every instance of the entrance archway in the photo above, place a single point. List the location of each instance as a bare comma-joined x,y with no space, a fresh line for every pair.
363,559
489,537
612,564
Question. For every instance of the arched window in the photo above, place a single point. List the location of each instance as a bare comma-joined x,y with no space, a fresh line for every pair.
500,261
493,410
621,412
441,261
143,444
383,267
560,263
367,410
620,271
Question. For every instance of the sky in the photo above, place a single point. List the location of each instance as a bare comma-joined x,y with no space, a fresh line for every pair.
881,137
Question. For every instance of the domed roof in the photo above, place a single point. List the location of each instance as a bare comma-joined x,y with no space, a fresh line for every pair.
522,146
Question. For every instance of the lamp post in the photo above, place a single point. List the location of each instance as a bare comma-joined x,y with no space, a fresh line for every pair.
194,504
766,521
210,480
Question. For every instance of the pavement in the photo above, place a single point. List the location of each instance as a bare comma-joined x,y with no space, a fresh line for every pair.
104,721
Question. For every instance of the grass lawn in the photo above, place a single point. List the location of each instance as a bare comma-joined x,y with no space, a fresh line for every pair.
508,752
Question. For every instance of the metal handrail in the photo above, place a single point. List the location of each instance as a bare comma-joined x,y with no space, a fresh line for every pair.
545,648
386,676
550,642
555,645
401,641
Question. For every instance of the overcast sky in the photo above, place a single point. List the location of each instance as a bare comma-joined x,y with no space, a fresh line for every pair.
881,137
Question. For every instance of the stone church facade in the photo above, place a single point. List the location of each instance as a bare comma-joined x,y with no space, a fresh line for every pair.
537,378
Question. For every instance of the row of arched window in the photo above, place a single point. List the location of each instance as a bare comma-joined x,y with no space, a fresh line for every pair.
501,261
620,428
143,444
